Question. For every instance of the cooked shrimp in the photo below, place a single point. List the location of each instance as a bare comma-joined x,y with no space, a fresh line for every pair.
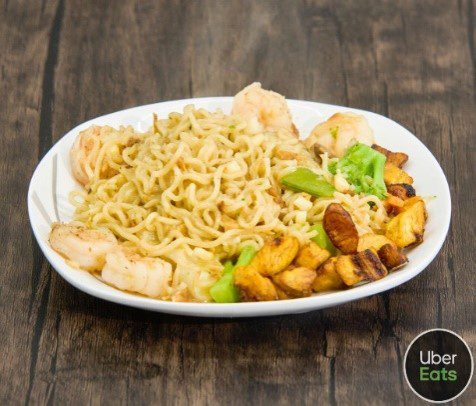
86,248
84,152
338,133
147,276
262,109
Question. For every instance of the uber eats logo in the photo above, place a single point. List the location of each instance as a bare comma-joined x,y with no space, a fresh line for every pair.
438,365
435,361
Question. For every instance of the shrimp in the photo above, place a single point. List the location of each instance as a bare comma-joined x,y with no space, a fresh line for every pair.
84,152
148,276
338,133
84,247
263,110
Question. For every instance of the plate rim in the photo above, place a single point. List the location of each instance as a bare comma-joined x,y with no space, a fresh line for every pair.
241,309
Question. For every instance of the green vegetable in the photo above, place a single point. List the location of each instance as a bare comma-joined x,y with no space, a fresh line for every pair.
224,290
228,268
322,238
246,255
305,180
363,167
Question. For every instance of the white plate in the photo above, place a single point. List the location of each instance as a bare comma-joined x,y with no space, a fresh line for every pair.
52,181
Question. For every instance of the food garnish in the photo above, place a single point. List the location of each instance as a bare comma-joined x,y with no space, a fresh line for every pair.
225,291
305,180
322,239
364,169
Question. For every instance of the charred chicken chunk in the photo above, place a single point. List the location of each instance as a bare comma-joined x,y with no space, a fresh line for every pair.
276,255
327,277
281,293
401,190
386,249
295,282
395,158
393,174
392,204
340,228
407,228
254,286
391,256
372,241
363,266
311,256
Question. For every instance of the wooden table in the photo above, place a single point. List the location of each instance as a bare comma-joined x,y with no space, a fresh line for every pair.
63,62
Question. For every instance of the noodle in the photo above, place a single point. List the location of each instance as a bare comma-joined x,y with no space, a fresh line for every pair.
196,188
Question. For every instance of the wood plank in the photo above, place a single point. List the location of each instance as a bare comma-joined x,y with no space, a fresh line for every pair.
68,61
24,281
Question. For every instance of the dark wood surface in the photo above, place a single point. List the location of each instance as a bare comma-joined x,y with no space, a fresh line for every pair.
63,62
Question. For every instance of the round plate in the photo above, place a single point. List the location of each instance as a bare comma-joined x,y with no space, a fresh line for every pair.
52,181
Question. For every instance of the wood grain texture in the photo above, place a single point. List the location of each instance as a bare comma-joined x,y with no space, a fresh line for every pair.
67,61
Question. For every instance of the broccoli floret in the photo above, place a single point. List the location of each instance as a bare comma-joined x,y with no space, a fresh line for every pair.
363,167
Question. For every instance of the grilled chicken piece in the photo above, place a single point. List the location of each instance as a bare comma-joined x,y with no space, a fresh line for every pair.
281,293
311,256
363,266
340,228
392,204
295,282
254,286
397,194
393,174
401,190
407,228
391,256
372,241
276,255
386,249
395,158
327,277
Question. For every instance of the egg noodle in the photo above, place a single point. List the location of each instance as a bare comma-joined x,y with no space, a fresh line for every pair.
198,186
